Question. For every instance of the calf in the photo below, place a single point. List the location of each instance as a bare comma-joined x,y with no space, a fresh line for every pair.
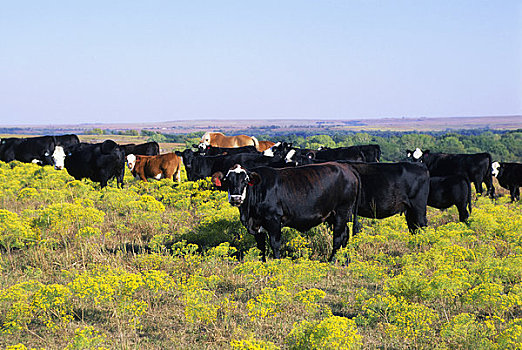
301,198
167,166
509,176
446,191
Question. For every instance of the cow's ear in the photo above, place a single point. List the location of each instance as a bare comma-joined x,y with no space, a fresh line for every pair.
195,146
409,153
254,178
217,179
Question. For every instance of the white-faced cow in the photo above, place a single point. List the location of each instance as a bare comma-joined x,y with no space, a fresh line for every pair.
475,167
218,139
99,162
161,166
301,198
509,176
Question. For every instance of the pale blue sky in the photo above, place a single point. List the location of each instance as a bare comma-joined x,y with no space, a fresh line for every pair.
134,61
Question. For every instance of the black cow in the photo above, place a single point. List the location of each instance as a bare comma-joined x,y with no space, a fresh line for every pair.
200,167
475,167
446,191
509,176
392,188
364,153
67,141
144,149
301,198
37,150
99,162
214,151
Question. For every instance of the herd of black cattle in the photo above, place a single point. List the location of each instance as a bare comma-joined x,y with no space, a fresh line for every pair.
295,187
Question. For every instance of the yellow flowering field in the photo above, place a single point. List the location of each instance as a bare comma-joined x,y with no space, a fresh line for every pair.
162,265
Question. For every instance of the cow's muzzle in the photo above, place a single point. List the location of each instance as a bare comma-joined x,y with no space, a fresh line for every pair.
236,200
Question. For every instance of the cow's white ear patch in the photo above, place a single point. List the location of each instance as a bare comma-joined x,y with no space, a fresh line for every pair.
494,168
417,154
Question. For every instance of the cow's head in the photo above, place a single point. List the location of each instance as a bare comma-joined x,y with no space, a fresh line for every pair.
59,157
205,140
187,156
271,151
237,181
417,155
131,161
495,168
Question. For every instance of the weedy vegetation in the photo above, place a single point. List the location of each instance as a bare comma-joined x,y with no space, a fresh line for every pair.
161,265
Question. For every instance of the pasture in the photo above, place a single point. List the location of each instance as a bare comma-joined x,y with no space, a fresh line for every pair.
161,265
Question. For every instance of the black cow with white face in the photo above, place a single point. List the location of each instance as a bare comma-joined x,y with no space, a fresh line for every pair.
509,176
393,188
99,162
145,149
301,197
475,167
446,191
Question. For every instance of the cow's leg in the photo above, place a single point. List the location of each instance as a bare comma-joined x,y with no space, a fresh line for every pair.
514,191
463,212
478,185
415,218
274,232
488,180
340,234
260,240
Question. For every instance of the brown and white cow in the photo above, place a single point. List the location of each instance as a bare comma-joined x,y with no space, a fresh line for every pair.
158,167
264,145
217,139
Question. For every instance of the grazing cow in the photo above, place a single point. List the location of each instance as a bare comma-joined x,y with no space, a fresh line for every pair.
217,139
301,198
167,166
392,188
509,176
446,191
200,167
144,149
36,150
475,167
99,162
67,141
214,151
264,145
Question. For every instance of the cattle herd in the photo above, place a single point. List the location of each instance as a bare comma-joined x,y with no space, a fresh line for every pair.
276,185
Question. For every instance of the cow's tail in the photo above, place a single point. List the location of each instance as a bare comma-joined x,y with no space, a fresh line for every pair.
355,226
256,142
469,194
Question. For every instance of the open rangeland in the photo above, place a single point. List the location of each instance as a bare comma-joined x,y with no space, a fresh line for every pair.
161,265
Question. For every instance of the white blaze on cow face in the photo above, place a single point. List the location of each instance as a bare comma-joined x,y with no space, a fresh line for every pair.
205,139
58,157
237,189
417,153
36,161
131,161
202,147
495,168
289,156
270,152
